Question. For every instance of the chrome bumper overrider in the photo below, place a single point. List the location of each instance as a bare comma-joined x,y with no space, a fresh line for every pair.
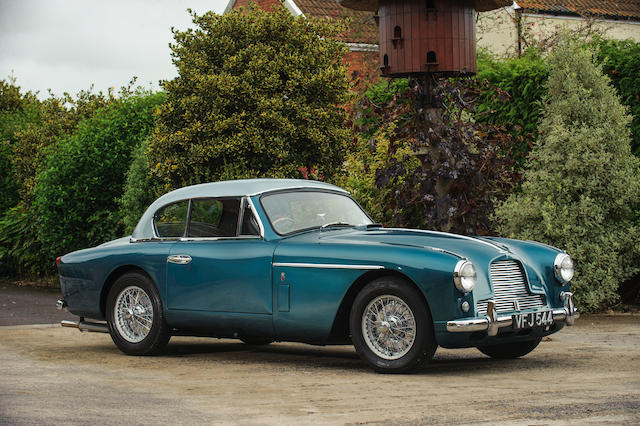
492,322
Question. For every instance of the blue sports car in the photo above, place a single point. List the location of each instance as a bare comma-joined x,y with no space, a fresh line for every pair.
268,260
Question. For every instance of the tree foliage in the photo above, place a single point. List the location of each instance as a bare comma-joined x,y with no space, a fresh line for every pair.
435,169
17,111
621,62
140,188
582,184
258,94
521,81
77,190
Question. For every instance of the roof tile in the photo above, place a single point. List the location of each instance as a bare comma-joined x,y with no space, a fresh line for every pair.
363,25
613,9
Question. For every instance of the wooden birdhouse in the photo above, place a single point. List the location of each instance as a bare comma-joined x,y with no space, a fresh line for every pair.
419,37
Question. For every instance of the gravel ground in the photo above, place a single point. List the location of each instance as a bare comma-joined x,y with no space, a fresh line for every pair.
586,374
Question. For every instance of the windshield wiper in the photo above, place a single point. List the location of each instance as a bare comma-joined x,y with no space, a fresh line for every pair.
372,225
327,225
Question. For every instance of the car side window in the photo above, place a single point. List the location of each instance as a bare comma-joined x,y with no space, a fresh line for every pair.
171,219
249,223
212,217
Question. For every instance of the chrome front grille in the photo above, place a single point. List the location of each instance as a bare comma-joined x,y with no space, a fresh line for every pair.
510,289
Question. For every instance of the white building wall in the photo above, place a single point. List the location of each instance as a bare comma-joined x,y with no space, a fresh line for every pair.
497,30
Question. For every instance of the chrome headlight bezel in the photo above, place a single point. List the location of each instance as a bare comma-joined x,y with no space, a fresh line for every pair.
465,276
563,268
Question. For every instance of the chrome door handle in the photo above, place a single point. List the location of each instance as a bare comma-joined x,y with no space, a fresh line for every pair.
179,259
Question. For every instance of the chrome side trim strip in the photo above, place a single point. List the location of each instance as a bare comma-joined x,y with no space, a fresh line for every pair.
439,250
326,266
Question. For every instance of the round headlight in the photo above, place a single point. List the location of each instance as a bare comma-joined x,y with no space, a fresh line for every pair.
563,268
464,276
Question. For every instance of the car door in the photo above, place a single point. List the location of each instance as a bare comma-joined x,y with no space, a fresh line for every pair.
222,264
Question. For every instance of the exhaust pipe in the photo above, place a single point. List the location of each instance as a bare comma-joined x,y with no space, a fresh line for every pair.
82,325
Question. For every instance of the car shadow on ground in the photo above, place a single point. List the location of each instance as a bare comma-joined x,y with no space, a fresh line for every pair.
345,357
302,356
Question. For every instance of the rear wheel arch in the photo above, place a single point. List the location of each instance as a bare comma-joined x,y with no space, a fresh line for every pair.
340,328
113,277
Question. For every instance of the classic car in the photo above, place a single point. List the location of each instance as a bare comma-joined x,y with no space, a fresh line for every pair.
266,260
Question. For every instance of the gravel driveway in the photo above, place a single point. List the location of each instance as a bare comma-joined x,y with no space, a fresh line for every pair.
589,373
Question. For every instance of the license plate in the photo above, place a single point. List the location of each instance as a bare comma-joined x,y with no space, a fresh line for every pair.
533,319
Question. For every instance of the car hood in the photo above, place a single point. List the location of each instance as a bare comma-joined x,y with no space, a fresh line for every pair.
537,258
458,245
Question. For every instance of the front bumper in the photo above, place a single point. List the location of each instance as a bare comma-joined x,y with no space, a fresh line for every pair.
492,322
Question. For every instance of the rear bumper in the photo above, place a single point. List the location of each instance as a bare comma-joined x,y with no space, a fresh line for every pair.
492,322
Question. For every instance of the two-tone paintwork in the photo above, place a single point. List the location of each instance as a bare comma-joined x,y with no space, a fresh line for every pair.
298,287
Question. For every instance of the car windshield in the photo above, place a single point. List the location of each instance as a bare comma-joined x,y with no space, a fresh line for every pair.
295,211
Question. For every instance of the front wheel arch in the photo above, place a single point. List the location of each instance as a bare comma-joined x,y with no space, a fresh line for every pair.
340,329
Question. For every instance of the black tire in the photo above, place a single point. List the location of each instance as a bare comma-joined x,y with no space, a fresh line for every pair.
415,353
510,350
123,329
256,341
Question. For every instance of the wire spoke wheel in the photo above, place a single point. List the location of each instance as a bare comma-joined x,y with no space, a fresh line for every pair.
389,327
133,314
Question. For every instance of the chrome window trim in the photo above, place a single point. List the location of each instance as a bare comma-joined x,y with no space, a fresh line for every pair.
241,237
243,199
153,220
296,188
306,189
326,266
256,215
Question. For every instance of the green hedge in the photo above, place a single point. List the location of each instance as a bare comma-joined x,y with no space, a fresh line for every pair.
522,81
76,193
621,62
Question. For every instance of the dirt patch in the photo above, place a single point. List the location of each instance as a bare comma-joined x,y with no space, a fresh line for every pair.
589,373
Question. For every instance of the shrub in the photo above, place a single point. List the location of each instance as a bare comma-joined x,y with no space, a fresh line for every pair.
621,62
583,183
76,192
523,81
17,111
21,251
140,189
258,94
426,168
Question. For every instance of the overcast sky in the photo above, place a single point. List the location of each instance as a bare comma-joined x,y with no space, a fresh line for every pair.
67,45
